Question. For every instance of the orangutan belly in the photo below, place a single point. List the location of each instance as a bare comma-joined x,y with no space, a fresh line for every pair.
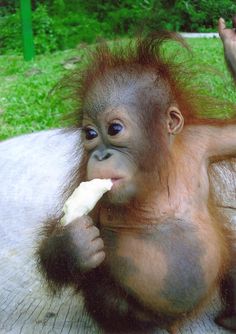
161,265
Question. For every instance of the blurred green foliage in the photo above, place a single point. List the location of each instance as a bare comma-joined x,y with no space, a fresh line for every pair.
61,24
30,99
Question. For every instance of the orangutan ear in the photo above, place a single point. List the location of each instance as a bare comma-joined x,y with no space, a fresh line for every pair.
175,120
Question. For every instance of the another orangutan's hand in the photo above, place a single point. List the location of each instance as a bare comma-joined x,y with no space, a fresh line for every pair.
228,37
227,34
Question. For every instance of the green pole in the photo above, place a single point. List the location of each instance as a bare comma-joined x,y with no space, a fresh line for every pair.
27,33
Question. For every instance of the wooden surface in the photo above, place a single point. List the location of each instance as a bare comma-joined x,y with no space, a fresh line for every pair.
25,306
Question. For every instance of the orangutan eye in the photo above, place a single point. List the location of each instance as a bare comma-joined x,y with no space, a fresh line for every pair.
90,133
114,129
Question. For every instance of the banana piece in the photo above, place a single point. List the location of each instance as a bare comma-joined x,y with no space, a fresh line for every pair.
84,199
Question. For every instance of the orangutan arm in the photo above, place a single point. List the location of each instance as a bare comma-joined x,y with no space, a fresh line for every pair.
221,141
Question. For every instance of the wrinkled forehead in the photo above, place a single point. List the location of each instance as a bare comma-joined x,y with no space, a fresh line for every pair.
134,90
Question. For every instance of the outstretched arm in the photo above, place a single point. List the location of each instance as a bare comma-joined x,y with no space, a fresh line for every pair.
222,140
228,37
214,141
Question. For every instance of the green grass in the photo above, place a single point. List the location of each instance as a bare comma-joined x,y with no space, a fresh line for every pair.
26,104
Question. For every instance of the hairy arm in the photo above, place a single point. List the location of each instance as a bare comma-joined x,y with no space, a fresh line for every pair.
214,142
222,141
65,253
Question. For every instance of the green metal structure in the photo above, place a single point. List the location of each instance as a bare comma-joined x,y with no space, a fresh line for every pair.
27,33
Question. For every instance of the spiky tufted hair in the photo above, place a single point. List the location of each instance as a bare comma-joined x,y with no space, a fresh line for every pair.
148,54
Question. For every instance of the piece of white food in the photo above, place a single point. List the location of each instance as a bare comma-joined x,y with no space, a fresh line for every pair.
84,199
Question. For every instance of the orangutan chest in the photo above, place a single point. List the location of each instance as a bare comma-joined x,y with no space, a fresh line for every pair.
130,254
160,265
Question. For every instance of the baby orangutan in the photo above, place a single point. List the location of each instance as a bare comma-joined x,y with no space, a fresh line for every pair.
154,248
